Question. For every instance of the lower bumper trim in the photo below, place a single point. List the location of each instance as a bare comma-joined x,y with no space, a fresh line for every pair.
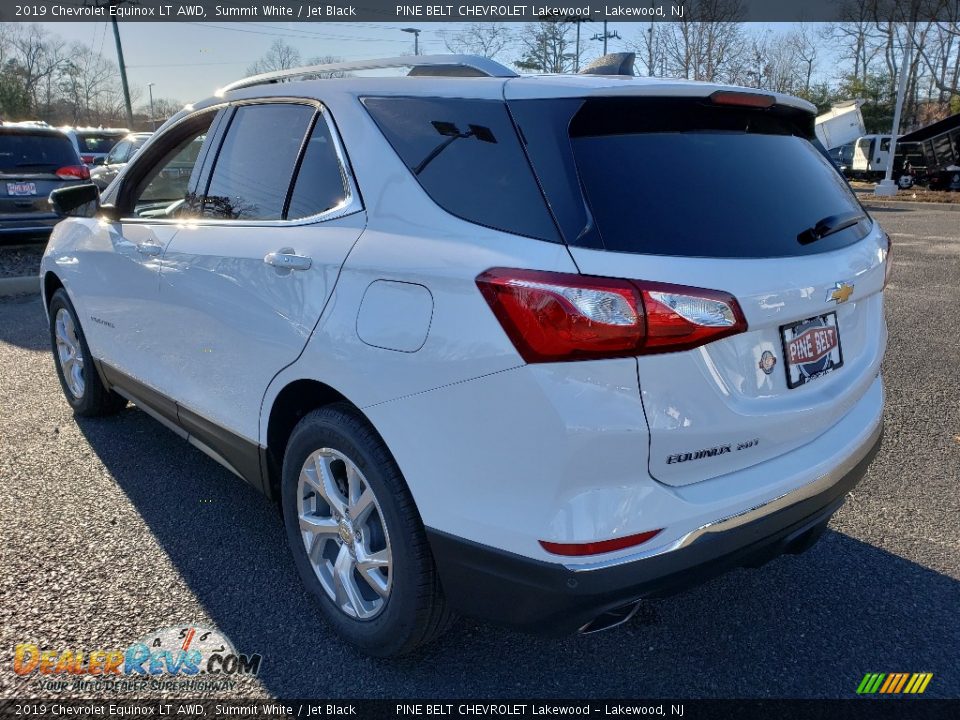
548,598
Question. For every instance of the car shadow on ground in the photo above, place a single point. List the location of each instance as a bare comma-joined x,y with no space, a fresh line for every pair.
804,626
25,331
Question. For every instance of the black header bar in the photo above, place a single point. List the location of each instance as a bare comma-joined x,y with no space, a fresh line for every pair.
445,11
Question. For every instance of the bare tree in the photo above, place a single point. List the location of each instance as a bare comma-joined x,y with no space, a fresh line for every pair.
806,51
649,46
708,44
280,56
547,46
487,39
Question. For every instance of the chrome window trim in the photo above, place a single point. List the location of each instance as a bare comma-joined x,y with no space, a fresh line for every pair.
351,204
817,486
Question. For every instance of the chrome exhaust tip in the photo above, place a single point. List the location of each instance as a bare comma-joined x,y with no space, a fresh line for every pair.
611,618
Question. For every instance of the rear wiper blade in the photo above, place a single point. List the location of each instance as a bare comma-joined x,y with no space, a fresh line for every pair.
830,225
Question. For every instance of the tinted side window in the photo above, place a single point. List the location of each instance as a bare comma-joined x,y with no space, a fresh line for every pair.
158,183
467,157
256,162
120,153
320,183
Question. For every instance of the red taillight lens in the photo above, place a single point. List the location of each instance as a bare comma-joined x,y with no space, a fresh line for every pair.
88,159
554,317
681,318
559,316
742,99
74,172
600,546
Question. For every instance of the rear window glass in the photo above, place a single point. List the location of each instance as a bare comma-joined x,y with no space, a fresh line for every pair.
467,157
707,182
25,152
96,142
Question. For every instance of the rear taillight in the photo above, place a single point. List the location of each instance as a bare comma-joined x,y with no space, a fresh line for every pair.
554,317
74,172
88,159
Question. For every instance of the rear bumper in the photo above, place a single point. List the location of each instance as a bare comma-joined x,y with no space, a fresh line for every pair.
551,598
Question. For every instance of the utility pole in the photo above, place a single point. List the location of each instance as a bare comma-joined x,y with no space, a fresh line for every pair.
120,62
606,36
576,20
153,118
123,72
887,186
416,38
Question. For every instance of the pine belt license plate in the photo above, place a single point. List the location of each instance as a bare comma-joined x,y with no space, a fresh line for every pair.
18,189
811,348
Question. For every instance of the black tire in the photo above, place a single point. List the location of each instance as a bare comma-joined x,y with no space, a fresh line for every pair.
95,399
415,611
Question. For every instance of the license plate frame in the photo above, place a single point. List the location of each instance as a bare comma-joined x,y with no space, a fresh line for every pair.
22,189
817,355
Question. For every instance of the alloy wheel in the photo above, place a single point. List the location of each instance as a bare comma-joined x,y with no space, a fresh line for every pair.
344,533
69,352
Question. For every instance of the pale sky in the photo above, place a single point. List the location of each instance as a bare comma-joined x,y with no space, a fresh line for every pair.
189,61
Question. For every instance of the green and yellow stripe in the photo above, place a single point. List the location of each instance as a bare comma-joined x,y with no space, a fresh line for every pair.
894,683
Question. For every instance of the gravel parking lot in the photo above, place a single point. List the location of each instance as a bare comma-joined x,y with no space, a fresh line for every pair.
114,528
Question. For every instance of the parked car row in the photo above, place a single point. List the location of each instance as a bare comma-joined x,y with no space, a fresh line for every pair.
36,158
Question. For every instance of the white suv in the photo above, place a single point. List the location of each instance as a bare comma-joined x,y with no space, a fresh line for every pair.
526,349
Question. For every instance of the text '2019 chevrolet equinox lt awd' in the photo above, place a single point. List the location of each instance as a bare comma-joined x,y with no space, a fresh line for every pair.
526,349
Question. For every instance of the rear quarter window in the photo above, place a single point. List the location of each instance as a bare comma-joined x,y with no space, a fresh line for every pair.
467,157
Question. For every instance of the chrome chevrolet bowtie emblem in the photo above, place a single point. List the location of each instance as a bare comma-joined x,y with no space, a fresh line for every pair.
840,293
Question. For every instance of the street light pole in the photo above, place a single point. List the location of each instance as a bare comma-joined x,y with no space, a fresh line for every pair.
153,118
887,187
416,38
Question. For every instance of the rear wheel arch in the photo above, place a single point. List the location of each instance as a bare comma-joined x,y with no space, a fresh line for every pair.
292,403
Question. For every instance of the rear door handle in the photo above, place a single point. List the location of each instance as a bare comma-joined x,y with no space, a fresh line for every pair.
148,249
287,259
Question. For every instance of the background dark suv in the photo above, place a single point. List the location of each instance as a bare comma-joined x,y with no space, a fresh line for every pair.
34,161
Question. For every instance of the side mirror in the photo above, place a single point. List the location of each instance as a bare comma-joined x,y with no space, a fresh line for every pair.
79,201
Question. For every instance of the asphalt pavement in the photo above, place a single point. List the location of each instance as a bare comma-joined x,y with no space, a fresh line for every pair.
111,529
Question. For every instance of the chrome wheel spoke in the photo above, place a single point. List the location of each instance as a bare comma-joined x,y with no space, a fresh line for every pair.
373,561
347,594
319,526
328,484
369,567
361,507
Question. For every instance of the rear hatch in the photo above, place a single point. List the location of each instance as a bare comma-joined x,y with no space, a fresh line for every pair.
728,198
29,164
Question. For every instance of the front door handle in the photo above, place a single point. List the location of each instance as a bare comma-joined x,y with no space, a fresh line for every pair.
287,259
148,249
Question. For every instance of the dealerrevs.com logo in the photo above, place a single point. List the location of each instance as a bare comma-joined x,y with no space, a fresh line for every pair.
188,658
